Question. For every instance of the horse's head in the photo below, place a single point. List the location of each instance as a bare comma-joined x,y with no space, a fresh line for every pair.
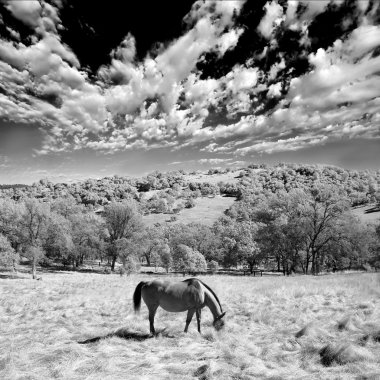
219,321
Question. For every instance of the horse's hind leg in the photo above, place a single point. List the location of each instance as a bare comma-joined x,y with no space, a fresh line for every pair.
152,313
190,314
199,313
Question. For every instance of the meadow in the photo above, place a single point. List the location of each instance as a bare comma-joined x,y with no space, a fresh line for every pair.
302,327
206,210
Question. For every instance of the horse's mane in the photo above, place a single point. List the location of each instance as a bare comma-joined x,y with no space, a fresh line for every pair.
207,287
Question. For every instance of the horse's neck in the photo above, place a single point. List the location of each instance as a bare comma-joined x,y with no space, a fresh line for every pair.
212,303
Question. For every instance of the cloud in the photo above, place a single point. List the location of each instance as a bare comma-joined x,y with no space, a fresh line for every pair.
229,40
272,18
292,144
241,78
164,100
275,90
27,11
162,75
338,75
214,161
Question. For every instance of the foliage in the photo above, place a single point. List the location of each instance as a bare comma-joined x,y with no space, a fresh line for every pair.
8,255
213,266
123,221
289,217
187,260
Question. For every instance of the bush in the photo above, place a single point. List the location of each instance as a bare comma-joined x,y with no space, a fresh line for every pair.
131,266
185,259
213,266
7,253
190,203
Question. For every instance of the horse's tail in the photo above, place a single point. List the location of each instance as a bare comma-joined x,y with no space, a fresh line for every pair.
137,296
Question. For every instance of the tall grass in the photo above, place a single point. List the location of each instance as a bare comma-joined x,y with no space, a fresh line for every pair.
276,328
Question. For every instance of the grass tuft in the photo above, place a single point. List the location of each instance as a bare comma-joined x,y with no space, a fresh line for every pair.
343,354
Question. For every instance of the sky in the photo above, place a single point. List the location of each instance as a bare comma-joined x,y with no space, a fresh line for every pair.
92,89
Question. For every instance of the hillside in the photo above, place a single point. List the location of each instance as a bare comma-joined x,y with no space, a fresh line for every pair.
288,217
368,213
206,211
178,196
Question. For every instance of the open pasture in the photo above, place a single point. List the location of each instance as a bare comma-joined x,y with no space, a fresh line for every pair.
206,210
325,327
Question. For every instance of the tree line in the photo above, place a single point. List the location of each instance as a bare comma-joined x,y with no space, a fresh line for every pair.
176,189
304,230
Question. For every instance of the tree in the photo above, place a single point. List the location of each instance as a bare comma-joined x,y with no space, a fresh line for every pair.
35,221
166,259
87,231
8,255
10,221
58,243
213,266
247,247
149,240
186,259
128,249
122,221
34,253
323,206
66,206
374,259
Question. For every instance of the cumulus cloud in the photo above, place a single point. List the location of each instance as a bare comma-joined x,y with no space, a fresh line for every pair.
272,18
294,143
162,100
27,11
274,90
338,75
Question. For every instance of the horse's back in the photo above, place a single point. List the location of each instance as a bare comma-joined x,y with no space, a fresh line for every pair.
174,296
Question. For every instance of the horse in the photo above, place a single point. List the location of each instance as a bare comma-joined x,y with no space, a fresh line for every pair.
190,295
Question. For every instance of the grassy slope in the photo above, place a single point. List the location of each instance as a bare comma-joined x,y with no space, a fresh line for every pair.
231,177
373,217
41,322
206,211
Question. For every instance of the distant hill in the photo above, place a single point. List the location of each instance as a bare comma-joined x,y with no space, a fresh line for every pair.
14,186
202,196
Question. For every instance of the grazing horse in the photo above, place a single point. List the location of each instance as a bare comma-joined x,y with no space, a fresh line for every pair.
190,295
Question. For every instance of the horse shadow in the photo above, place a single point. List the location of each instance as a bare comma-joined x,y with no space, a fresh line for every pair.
127,334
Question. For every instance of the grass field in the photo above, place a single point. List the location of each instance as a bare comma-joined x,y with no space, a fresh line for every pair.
365,216
206,211
325,327
231,177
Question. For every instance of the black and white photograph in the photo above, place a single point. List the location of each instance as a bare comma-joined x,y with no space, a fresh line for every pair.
190,189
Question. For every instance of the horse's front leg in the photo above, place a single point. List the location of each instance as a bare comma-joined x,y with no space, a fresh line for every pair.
199,313
152,313
190,314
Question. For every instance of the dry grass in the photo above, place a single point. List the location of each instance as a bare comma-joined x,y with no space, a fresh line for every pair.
206,210
231,177
277,328
371,217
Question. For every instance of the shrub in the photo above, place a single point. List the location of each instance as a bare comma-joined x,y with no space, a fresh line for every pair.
7,253
131,266
190,203
185,259
213,266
